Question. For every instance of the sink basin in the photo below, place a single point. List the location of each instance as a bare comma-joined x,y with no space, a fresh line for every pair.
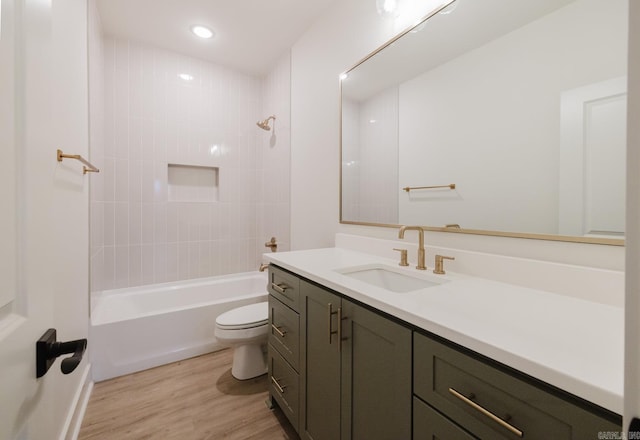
389,278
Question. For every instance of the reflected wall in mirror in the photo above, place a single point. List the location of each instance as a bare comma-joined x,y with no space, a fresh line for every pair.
521,105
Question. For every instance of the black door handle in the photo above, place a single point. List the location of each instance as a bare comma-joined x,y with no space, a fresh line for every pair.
48,349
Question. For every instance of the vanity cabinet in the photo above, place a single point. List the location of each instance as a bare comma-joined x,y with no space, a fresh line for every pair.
355,370
489,402
283,350
341,370
338,370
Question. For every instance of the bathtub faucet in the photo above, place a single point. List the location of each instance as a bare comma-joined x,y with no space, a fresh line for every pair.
263,266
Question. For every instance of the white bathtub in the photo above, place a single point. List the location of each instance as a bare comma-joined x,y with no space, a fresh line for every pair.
142,327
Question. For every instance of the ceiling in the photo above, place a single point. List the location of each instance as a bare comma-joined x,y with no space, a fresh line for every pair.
250,35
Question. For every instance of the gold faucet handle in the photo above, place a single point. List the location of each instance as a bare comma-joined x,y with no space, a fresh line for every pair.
439,269
403,257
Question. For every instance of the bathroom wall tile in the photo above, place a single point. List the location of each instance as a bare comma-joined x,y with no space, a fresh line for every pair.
108,173
96,215
121,224
135,181
146,92
214,252
152,118
109,224
160,223
135,223
121,276
204,260
160,177
135,265
146,222
146,133
147,181
109,267
172,222
172,262
121,136
194,259
160,140
148,274
160,263
183,261
121,191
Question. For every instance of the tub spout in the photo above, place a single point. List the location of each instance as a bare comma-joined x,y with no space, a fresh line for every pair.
263,266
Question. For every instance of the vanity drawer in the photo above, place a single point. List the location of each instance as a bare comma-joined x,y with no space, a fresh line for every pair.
428,424
284,331
493,404
285,287
284,386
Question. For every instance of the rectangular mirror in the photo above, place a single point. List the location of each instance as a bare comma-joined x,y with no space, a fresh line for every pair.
514,111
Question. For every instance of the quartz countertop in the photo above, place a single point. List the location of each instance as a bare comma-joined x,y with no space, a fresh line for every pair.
573,344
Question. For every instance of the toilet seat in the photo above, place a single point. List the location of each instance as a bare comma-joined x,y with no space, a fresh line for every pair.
253,315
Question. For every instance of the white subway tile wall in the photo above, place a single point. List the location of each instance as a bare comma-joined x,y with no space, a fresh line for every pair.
151,117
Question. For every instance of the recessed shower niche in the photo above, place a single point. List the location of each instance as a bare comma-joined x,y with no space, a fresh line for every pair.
189,183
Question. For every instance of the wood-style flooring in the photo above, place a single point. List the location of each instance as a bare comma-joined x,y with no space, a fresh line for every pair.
195,399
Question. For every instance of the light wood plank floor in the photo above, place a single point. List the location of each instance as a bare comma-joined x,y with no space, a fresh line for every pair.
195,399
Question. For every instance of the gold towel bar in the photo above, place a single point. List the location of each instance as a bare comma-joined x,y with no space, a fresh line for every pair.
409,188
87,168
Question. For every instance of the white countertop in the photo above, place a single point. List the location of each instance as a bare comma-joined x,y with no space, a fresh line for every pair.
573,344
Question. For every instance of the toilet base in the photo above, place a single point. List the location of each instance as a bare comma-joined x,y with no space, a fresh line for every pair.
249,361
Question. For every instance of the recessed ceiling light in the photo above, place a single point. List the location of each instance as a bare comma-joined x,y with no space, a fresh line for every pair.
202,31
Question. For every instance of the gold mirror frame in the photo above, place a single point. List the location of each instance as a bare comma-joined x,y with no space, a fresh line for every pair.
455,230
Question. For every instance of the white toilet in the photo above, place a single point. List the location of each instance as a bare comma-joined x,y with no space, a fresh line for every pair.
246,330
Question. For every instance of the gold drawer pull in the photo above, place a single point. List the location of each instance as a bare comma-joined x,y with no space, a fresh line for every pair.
279,287
487,413
278,331
330,313
278,386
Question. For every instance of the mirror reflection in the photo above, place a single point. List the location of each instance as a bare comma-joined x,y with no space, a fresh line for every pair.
520,105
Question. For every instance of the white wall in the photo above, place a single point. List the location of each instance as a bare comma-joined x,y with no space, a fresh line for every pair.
345,34
153,118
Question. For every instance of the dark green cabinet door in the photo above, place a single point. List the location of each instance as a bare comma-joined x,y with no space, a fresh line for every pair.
376,376
320,364
431,425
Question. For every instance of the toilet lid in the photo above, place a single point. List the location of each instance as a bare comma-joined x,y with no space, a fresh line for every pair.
252,315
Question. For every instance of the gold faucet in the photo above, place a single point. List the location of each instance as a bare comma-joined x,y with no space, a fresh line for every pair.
439,269
421,265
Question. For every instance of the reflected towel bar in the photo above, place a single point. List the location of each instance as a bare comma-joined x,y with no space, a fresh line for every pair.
88,168
409,188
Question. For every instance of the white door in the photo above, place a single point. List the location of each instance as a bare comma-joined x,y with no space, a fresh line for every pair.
592,160
43,210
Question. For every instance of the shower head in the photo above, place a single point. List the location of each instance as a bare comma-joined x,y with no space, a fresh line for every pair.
265,124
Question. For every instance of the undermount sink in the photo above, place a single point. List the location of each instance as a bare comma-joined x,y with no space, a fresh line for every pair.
389,278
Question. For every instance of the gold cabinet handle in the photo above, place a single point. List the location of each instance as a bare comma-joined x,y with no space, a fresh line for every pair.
278,386
330,313
278,331
279,287
487,413
340,318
